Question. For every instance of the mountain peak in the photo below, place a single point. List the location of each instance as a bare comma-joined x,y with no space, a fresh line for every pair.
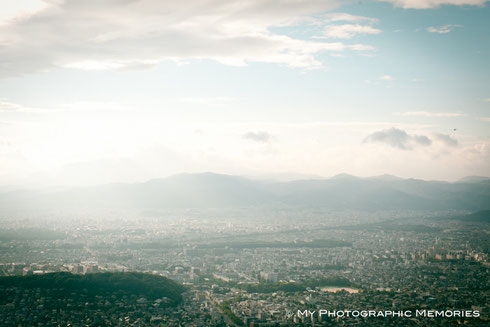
344,176
386,177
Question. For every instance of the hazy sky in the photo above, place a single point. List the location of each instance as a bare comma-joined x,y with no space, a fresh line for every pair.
96,91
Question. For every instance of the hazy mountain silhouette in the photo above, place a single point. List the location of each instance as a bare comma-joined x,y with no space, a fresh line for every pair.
473,179
209,190
385,177
480,216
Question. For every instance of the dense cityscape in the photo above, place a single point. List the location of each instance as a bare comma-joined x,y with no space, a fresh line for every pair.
254,272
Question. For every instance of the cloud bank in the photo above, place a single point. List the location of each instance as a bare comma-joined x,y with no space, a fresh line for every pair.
113,34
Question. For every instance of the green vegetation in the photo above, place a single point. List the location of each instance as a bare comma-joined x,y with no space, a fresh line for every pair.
266,287
225,307
129,284
289,287
316,244
30,234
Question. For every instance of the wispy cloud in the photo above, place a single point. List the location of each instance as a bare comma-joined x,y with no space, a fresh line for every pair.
354,26
7,106
344,17
348,31
426,4
444,29
432,114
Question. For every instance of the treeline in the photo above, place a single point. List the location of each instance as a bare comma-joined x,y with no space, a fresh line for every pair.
30,234
258,244
122,283
267,287
288,287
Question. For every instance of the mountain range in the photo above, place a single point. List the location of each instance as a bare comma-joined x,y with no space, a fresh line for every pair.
210,190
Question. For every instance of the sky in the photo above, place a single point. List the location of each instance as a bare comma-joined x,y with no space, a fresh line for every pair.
102,91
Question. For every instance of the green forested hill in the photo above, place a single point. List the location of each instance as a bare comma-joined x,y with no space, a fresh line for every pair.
63,284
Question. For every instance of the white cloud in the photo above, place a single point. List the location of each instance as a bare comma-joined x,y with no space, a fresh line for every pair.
442,29
432,114
426,4
347,31
344,17
110,34
7,106
10,10
110,64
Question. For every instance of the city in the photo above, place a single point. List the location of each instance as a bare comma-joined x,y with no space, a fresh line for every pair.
259,273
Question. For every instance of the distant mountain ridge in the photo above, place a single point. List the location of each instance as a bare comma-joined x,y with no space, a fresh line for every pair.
480,216
474,179
211,190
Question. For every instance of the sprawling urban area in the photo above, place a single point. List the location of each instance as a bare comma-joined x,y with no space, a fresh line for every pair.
281,268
